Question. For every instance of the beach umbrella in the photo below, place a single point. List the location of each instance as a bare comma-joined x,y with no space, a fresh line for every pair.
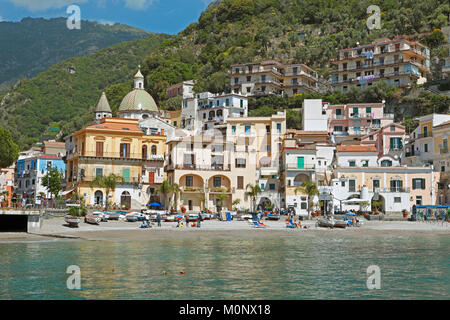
154,204
351,214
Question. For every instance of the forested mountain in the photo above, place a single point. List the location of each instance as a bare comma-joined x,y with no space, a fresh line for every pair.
32,45
228,32
302,31
64,96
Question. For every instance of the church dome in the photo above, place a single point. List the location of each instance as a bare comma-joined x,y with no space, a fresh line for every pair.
138,100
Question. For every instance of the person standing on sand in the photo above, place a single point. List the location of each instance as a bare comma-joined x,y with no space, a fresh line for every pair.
199,220
187,220
158,219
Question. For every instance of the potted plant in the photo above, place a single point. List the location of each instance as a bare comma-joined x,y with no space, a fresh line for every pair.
405,213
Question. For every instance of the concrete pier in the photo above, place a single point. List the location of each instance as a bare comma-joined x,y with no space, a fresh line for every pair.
20,220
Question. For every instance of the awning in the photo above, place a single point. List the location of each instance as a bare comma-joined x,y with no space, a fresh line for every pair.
67,192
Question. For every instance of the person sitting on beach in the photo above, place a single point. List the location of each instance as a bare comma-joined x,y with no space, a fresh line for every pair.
144,225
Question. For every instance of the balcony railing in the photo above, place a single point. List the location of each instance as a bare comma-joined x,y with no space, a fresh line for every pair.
444,151
295,166
130,180
120,155
217,167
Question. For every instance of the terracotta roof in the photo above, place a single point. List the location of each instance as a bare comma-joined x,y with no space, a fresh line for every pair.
116,127
356,149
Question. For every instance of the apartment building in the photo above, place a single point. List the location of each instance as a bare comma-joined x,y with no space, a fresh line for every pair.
356,120
116,146
171,117
441,161
7,184
224,161
29,173
207,110
388,140
183,89
307,157
420,147
272,77
363,180
399,62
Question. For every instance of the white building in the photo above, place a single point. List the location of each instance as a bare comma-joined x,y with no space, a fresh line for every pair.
314,115
206,110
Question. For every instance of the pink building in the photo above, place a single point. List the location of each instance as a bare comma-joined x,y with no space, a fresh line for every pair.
389,140
357,119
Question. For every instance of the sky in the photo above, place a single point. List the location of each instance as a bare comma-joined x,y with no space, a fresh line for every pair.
161,16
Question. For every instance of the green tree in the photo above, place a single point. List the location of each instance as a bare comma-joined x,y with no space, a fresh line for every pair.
253,191
52,181
166,188
109,183
9,151
310,189
221,197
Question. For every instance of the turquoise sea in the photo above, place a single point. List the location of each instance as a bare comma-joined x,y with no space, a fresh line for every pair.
303,267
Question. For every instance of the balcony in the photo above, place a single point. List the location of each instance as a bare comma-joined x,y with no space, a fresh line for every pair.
185,189
217,167
221,190
296,167
392,190
113,155
338,117
444,151
130,180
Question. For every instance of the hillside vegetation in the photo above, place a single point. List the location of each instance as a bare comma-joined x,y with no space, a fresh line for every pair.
59,97
304,31
32,45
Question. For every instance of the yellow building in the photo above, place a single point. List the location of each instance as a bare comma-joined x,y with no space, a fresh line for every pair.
121,147
116,146
171,117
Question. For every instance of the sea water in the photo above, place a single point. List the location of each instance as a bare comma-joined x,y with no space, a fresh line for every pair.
300,267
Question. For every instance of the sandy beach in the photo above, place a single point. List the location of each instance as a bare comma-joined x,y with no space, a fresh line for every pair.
56,228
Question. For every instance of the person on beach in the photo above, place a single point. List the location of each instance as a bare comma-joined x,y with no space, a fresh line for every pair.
187,220
199,220
158,219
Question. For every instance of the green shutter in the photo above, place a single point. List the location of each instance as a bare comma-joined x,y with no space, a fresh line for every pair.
300,163
126,175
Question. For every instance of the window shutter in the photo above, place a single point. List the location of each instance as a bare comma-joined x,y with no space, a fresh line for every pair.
423,184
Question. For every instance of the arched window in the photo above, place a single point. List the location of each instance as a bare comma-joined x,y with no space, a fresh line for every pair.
144,152
386,163
154,150
212,114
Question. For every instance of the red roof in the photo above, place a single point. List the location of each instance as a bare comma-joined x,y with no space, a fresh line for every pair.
116,127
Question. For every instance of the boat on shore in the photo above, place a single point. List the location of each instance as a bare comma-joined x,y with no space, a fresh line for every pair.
103,217
72,221
273,216
112,215
132,217
92,219
340,224
325,223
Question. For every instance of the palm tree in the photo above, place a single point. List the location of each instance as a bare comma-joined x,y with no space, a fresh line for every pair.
176,190
235,204
253,191
108,183
310,189
221,197
165,189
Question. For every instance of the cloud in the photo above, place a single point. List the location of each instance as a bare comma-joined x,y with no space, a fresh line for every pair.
1,18
138,4
42,5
